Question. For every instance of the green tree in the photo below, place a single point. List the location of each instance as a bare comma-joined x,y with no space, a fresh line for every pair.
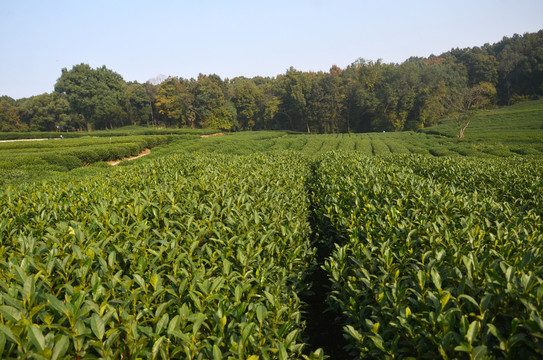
248,102
175,102
212,108
481,66
296,86
396,93
520,67
325,101
432,104
136,103
49,112
438,82
271,109
151,91
9,115
369,77
271,91
97,94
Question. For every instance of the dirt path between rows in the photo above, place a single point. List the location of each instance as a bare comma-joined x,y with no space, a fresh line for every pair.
2,141
216,134
143,153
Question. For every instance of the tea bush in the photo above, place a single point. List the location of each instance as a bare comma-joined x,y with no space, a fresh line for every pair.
429,266
187,256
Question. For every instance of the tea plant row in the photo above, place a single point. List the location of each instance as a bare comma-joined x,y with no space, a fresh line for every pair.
203,255
187,256
433,258
68,154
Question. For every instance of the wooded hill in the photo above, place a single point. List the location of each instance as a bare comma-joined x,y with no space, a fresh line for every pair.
364,96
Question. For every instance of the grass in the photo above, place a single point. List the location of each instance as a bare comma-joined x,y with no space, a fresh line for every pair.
507,131
521,122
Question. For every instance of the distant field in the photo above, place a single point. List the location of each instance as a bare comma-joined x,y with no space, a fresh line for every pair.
503,132
510,131
124,131
28,160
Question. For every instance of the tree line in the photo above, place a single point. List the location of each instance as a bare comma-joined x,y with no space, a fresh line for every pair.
364,96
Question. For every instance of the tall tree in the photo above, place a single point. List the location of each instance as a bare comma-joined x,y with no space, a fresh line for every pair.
296,87
439,81
9,115
369,75
481,66
396,93
324,102
49,112
136,104
520,67
212,108
175,102
271,91
248,102
151,90
95,93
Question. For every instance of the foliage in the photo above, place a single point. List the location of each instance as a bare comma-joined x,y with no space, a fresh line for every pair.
137,104
94,93
248,101
432,265
364,96
188,256
174,103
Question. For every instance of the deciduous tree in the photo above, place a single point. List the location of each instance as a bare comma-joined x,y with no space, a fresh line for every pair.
248,101
95,93
465,101
9,115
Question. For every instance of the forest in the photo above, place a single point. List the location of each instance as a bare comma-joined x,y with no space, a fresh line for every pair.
365,96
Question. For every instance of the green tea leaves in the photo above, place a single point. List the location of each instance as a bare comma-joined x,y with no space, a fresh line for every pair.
430,255
97,326
36,336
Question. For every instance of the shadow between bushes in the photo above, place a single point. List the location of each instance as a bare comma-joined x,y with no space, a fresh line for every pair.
324,327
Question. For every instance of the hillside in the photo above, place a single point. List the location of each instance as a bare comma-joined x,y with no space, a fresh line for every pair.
515,122
518,128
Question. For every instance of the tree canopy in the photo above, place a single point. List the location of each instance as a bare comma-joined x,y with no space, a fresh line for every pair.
364,96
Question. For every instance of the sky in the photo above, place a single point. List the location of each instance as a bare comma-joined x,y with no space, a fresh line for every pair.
150,40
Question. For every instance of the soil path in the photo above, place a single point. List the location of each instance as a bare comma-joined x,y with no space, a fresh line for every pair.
143,153
1,141
216,134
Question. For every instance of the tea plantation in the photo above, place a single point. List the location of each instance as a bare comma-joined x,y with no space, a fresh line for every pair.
207,248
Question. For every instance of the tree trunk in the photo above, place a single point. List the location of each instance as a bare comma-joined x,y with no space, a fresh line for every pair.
463,128
152,113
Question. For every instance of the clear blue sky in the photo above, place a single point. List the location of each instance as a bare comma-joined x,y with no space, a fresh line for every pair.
141,40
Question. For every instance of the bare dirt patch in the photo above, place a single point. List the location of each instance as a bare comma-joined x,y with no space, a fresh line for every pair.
23,140
143,153
210,135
